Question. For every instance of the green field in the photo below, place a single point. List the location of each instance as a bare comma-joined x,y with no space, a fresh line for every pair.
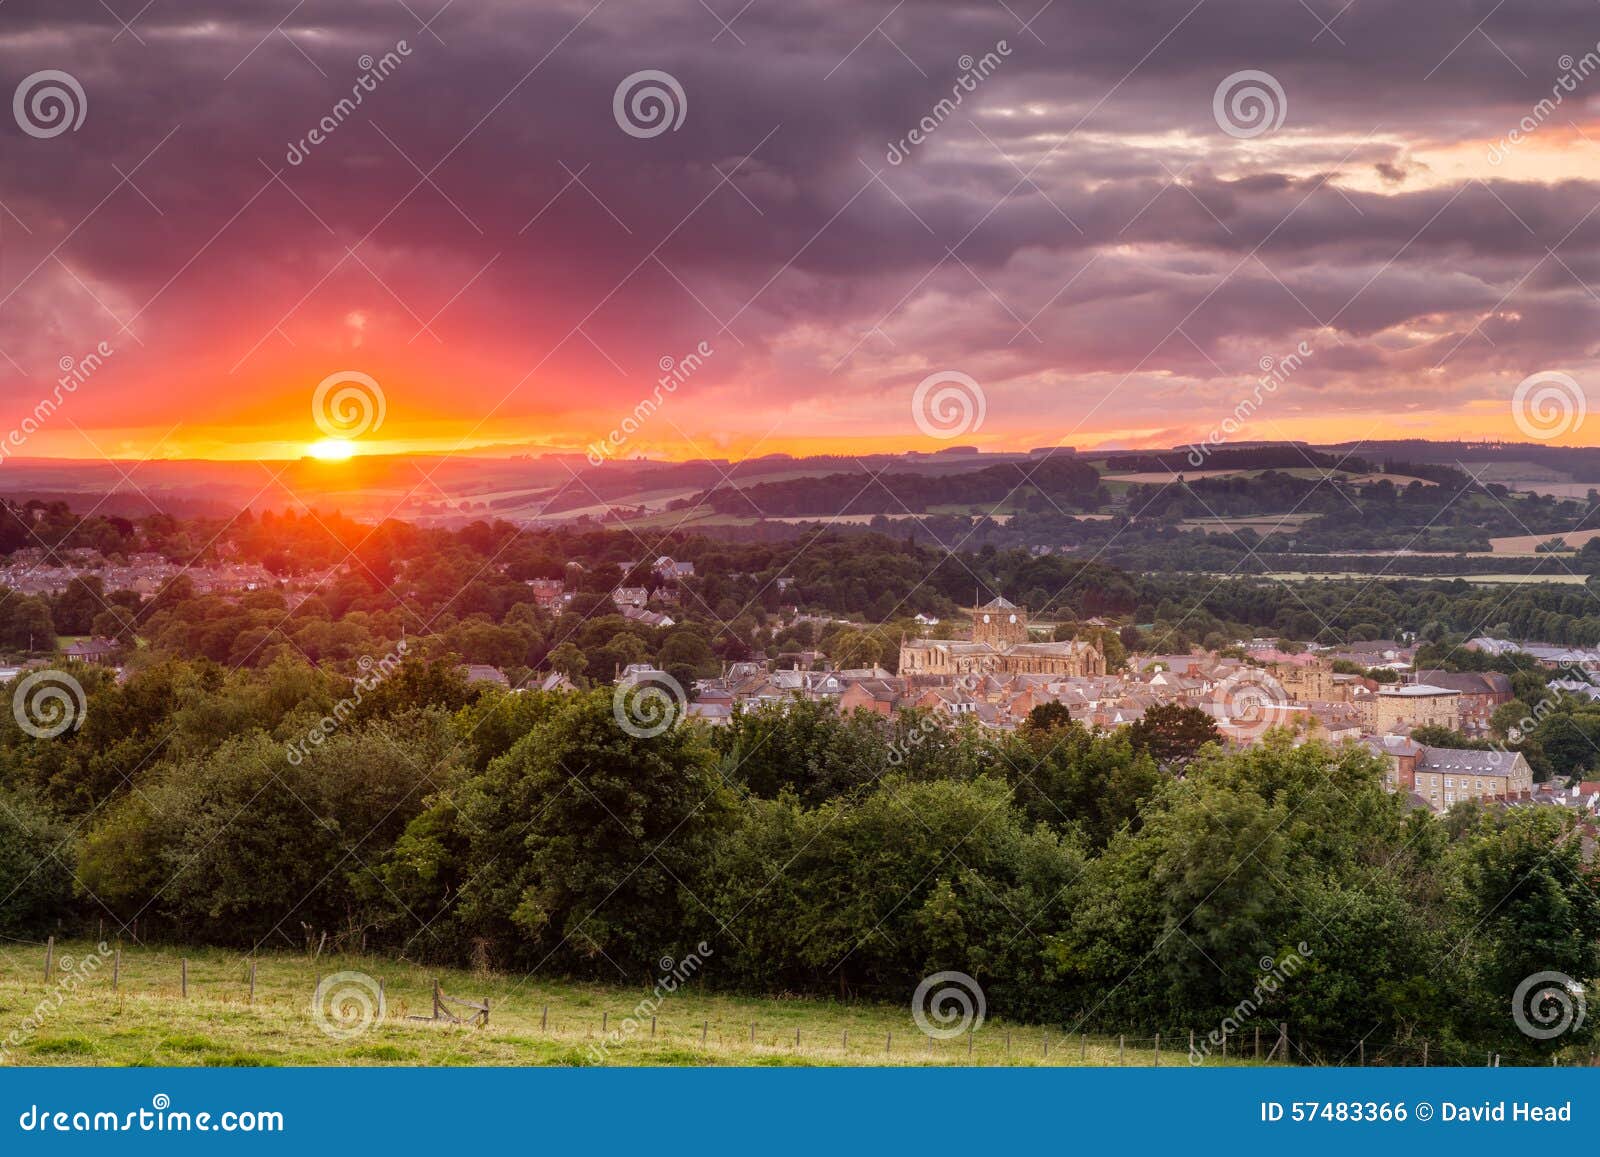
76,1018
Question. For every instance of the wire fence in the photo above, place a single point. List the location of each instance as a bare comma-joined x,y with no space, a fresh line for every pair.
632,1033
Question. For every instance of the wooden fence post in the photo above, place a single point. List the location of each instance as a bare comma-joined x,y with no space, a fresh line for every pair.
1121,1041
797,1040
252,981
888,1043
846,1044
652,1028
752,1032
1424,1054
605,1019
49,957
1083,1047
544,1018
183,977
116,968
1363,1054
705,1027
969,1044
1008,1042
1158,1050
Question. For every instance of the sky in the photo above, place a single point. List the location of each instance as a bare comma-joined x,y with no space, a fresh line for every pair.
778,239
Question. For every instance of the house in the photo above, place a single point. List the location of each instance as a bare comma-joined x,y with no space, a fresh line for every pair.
484,673
630,596
673,570
1481,692
546,592
1411,705
883,696
1446,776
96,650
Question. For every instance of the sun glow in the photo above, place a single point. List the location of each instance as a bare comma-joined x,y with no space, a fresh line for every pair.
332,449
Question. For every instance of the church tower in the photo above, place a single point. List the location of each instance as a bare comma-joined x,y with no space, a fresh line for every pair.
1000,623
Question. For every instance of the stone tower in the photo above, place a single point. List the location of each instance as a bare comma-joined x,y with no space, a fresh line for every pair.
1000,623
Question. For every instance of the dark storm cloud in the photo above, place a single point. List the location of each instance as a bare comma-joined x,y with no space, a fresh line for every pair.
485,187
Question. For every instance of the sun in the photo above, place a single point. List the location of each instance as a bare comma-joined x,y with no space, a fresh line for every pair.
332,449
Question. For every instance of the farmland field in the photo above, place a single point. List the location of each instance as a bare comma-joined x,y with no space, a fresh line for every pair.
77,1019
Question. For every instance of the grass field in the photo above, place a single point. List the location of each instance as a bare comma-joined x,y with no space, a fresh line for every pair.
76,1018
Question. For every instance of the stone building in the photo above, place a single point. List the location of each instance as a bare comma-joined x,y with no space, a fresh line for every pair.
999,646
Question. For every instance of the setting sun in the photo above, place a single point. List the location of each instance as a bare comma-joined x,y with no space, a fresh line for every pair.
332,449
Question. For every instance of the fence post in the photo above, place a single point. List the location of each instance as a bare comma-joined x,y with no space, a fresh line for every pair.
183,977
652,1028
116,968
1008,1043
605,1020
1158,1050
252,982
1363,1054
705,1027
1083,1047
1283,1039
752,1032
888,1043
1424,1054
844,1042
1046,1046
49,957
1121,1042
797,1040
969,1044
1191,1042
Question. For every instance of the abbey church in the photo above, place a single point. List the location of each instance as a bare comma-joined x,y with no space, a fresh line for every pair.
999,646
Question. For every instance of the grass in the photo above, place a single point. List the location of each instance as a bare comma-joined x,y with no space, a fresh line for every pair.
80,1020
